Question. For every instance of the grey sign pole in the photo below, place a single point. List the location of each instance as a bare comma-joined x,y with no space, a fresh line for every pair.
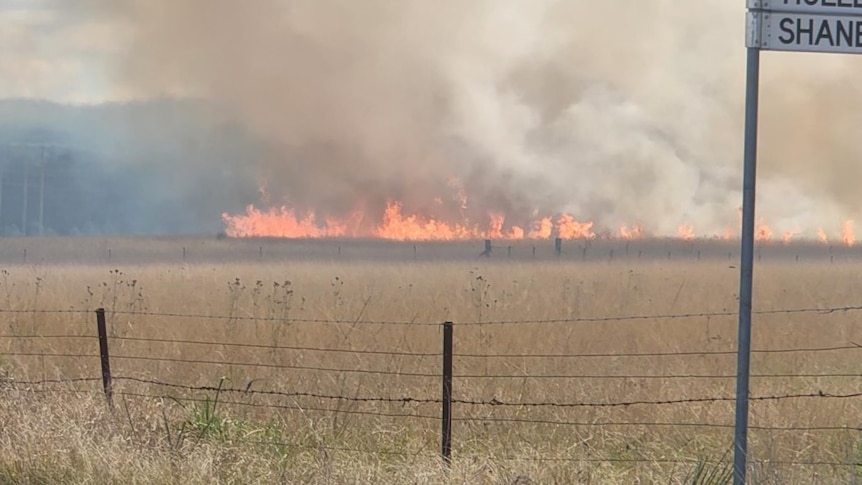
746,272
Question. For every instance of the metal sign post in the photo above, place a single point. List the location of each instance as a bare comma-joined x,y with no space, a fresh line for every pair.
746,272
780,25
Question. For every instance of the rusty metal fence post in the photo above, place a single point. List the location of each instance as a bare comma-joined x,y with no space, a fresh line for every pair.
446,446
103,354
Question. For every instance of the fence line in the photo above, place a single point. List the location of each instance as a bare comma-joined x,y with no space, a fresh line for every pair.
852,346
602,319
834,375
447,401
248,390
406,400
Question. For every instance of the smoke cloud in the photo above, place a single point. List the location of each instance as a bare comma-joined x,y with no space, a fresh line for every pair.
616,111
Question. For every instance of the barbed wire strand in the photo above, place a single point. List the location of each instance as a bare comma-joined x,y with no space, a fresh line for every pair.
652,376
47,336
276,366
458,355
604,319
476,419
296,407
288,407
42,354
480,419
281,347
439,354
493,402
438,375
660,354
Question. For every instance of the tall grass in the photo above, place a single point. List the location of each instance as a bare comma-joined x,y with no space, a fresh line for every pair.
66,434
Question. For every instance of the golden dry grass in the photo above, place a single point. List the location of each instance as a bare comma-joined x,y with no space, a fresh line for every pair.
65,433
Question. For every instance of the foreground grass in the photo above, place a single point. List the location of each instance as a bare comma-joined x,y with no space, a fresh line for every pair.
65,433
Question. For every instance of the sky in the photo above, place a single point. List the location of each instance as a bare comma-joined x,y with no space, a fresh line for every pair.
47,53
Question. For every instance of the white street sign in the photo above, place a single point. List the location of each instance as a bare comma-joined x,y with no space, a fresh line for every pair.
829,7
778,31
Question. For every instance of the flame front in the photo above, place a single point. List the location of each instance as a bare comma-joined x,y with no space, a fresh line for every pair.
395,224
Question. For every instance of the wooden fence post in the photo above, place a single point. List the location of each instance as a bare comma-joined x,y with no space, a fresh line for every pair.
103,354
446,447
558,246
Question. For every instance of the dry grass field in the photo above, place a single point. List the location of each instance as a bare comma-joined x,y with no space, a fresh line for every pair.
315,360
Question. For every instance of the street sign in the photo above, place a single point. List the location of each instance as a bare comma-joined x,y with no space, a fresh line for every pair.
829,7
779,31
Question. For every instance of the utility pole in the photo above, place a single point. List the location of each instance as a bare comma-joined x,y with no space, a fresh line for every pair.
24,202
3,164
42,193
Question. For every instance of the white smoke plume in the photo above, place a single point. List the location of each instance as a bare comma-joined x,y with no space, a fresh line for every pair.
620,111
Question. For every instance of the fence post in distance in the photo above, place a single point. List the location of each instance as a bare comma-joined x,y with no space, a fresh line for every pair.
446,448
103,354
487,251
558,246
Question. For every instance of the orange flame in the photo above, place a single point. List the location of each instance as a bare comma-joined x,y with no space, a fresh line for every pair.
569,228
763,232
395,225
847,234
631,232
279,222
542,229
686,232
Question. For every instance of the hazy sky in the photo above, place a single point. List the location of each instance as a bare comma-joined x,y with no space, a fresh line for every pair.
49,53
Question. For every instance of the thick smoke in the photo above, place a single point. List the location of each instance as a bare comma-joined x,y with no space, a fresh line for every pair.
617,111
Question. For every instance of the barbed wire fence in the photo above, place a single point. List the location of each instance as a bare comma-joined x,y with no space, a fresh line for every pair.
453,404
